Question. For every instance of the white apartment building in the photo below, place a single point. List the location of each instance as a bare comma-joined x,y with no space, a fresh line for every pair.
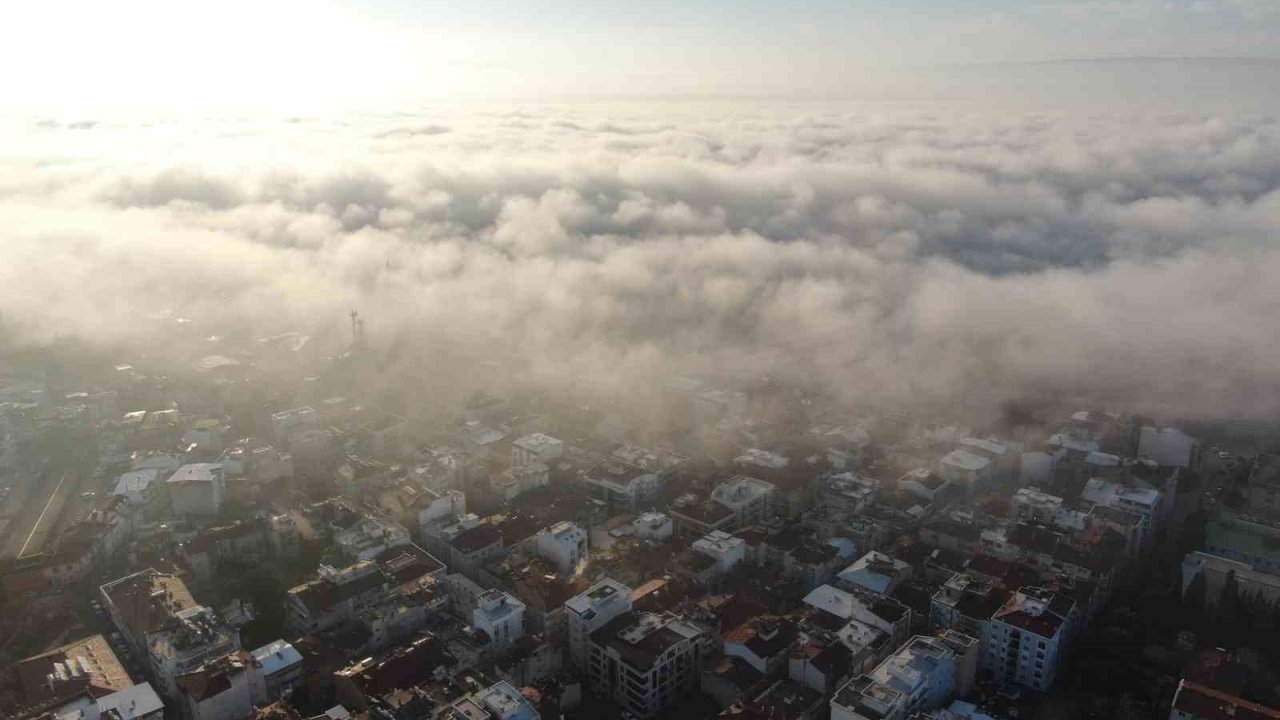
750,499
592,610
564,544
727,550
500,616
536,448
646,661
1027,637
924,674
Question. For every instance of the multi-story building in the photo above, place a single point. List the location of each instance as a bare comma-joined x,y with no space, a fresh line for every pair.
473,547
198,489
369,538
621,486
165,625
646,661
592,610
924,674
750,500
501,701
965,603
1133,495
564,545
536,448
279,664
75,673
1169,447
876,572
654,526
335,595
500,616
968,469
725,549
196,636
288,423
1027,637
1249,540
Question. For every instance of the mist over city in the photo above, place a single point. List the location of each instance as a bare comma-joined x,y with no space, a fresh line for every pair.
390,361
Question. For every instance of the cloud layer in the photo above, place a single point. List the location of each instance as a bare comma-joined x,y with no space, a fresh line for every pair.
935,257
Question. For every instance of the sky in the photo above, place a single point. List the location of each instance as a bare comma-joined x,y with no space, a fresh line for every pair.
937,206
325,55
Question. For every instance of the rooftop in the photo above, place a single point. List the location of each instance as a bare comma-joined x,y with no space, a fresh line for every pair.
197,472
641,638
614,472
606,591
86,666
149,600
965,460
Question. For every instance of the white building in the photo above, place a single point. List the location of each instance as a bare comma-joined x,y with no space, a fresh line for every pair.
591,611
197,489
1169,446
876,572
966,468
645,661
501,701
500,616
1131,495
197,636
653,526
727,550
139,702
221,689
924,674
1027,637
536,447
520,479
369,538
564,544
750,500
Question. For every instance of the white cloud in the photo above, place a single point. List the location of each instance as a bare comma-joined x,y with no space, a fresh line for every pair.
940,260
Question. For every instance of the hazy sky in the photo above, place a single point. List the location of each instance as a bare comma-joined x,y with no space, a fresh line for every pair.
313,55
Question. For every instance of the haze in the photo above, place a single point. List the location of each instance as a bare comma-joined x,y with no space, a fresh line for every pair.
942,205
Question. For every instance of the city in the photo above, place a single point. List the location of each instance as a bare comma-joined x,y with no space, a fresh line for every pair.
176,547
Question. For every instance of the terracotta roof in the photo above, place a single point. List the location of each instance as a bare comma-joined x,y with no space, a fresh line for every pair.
1205,703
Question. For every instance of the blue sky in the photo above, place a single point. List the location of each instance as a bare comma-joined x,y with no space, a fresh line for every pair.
313,53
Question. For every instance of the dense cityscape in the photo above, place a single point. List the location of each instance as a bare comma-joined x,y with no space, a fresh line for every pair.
207,541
